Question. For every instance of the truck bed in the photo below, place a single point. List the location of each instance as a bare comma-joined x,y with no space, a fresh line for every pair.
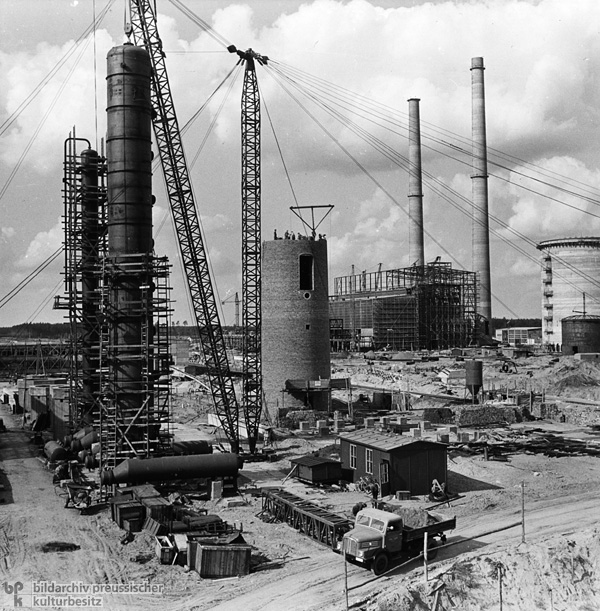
408,533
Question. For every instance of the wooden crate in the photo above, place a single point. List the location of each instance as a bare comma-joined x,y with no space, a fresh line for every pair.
129,511
158,509
133,525
222,560
164,549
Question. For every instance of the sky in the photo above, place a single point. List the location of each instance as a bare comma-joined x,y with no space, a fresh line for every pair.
542,109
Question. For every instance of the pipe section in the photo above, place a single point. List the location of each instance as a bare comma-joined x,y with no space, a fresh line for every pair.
168,468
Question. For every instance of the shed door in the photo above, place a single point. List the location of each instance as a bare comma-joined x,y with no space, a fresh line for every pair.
384,477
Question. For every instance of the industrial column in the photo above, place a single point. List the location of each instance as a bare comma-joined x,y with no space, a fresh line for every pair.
481,232
130,247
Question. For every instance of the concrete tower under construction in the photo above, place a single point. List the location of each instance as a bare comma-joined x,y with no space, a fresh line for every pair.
295,328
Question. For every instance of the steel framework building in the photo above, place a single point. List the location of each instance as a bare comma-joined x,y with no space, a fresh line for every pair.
420,307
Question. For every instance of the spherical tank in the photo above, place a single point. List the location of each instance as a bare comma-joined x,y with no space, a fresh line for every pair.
580,334
295,323
570,270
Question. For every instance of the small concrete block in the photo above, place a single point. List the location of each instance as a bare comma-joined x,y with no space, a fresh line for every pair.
425,425
416,432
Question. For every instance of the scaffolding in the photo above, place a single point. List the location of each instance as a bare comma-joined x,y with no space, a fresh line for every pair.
429,307
132,421
84,223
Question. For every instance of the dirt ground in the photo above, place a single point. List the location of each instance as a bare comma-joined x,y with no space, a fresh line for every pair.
489,562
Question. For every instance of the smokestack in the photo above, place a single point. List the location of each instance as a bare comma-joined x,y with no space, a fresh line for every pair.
129,193
415,186
481,233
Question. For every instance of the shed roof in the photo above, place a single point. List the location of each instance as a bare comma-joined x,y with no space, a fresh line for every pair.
313,461
384,441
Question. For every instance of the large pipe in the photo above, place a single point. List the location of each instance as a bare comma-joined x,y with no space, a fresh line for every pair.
129,193
168,468
415,187
481,232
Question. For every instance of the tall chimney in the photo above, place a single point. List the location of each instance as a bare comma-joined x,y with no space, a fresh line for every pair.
481,232
415,187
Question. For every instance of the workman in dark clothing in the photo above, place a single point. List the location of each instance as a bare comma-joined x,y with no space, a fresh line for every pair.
375,493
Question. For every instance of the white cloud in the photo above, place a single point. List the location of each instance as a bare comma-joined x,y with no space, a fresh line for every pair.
42,246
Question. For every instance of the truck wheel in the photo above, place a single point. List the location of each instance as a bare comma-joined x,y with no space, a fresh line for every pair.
380,563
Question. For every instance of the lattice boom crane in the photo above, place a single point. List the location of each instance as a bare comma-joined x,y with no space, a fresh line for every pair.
187,223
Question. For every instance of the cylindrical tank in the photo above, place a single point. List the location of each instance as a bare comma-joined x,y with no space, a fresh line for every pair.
80,434
481,231
570,282
138,471
415,186
129,203
295,323
474,376
580,334
54,451
84,443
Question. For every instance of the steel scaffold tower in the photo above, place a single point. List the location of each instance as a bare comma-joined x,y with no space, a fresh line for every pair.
187,223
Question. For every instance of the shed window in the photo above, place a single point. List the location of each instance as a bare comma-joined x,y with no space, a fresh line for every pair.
352,456
306,273
369,460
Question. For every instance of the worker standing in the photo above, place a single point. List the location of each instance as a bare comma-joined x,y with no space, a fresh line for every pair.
375,493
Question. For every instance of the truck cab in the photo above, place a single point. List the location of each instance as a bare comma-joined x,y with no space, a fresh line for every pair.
375,531
380,536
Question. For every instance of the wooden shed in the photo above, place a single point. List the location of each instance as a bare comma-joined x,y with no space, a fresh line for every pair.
317,469
397,462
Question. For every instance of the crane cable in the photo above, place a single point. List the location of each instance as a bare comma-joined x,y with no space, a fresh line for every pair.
61,62
370,139
40,268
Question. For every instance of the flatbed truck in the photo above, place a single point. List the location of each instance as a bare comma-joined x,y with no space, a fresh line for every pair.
381,537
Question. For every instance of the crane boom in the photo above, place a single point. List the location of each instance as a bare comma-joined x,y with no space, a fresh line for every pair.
251,245
187,223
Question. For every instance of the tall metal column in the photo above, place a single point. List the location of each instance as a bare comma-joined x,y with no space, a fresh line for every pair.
481,232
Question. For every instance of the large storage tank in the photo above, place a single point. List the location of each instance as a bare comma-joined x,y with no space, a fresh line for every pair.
295,324
570,269
580,334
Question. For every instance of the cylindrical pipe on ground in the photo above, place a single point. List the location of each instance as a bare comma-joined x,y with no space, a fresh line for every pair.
136,471
86,442
54,451
481,232
415,186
